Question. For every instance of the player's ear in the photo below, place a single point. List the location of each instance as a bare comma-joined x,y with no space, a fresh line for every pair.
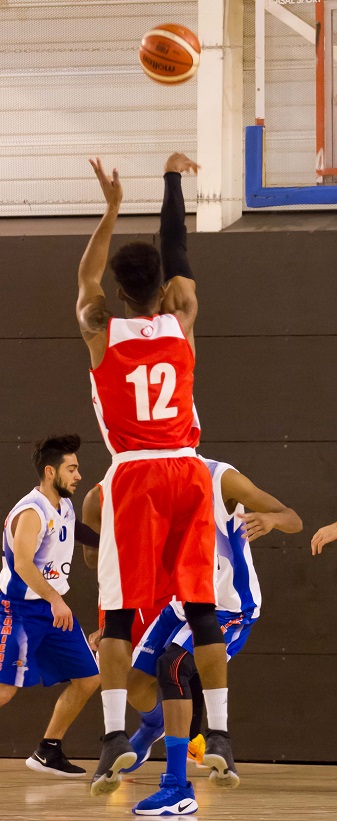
162,290
49,472
121,294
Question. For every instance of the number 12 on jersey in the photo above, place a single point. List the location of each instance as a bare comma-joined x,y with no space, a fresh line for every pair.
142,379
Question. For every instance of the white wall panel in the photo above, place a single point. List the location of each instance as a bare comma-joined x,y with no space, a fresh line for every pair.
71,87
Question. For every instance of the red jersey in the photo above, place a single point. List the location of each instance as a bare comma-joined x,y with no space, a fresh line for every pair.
143,389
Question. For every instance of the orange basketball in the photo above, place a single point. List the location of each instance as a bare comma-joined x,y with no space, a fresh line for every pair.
170,53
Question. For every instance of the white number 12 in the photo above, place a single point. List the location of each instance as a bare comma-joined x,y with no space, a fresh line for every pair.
140,379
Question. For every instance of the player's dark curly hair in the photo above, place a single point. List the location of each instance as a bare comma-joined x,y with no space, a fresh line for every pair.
137,269
52,449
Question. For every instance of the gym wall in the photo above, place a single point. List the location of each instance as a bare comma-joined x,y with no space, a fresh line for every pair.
266,393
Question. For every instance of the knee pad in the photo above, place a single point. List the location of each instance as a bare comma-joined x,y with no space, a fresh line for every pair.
203,623
118,624
174,670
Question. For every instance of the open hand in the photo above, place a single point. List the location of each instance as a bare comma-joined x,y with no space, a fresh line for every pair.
179,163
324,535
63,616
94,639
256,524
110,185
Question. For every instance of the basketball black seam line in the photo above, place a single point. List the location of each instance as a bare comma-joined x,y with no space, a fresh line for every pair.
164,57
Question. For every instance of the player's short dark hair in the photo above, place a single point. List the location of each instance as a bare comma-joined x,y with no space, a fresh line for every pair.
52,449
137,269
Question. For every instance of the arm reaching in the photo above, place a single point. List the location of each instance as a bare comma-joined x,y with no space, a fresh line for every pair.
91,309
324,535
268,513
180,298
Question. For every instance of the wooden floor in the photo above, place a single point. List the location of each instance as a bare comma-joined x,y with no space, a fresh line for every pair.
268,792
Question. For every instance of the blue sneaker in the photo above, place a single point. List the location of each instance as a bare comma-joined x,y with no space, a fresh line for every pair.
171,799
142,742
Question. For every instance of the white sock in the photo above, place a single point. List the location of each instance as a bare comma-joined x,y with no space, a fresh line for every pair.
217,709
114,706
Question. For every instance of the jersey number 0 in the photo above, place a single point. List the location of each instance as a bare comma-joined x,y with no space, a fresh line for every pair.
141,381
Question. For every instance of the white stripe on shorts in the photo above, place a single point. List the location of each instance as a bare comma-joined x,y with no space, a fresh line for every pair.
109,577
23,651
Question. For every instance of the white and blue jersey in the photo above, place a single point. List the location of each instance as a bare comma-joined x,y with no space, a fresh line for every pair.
54,546
31,648
237,583
238,589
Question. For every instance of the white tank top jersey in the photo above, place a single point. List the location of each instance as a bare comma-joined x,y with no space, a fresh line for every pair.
54,546
238,589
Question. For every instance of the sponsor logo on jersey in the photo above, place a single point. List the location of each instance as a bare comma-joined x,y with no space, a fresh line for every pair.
51,528
147,330
49,573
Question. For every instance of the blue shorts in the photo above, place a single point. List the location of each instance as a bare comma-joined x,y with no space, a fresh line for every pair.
168,628
32,650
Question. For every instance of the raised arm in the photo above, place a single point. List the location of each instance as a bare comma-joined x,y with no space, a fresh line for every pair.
91,309
180,298
268,513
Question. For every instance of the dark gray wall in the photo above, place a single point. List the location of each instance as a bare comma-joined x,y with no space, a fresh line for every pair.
266,394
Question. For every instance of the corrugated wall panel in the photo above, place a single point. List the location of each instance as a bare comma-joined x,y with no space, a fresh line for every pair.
71,86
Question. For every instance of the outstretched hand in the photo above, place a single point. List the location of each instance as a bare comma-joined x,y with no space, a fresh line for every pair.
179,163
110,185
324,535
256,524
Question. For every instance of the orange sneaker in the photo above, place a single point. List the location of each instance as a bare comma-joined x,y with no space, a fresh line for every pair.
196,749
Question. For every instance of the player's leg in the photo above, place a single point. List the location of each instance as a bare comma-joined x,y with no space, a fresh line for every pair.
115,654
63,656
126,571
194,530
197,746
236,628
211,662
7,692
142,691
69,705
142,683
176,795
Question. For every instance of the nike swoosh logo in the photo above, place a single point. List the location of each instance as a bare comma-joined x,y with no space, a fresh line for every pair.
181,808
193,755
43,760
52,743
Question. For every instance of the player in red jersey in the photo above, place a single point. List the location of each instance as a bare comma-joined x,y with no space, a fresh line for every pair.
142,382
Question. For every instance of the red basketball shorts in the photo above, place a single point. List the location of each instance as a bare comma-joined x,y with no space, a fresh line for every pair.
158,531
142,620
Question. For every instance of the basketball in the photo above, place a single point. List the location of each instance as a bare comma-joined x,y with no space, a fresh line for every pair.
170,53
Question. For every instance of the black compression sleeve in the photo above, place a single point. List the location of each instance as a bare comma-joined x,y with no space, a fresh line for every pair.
173,231
85,535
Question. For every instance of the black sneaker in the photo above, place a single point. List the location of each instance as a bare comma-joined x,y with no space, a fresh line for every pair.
117,754
50,758
219,757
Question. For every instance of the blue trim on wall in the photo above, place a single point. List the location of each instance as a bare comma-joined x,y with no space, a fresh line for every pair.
259,197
